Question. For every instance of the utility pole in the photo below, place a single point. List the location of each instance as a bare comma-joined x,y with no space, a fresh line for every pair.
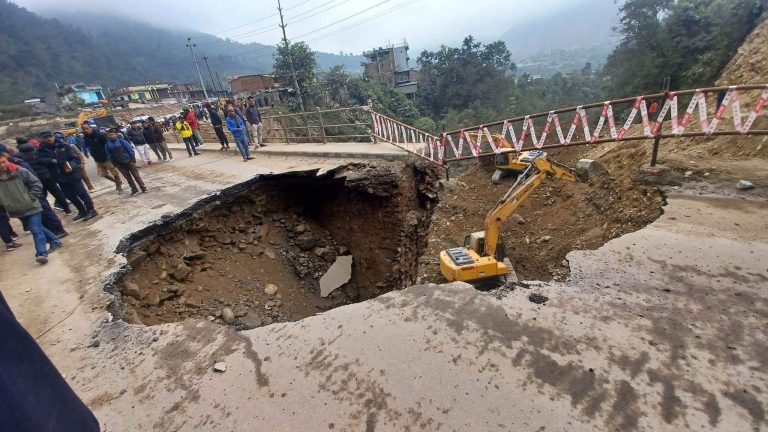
191,45
205,59
221,86
290,58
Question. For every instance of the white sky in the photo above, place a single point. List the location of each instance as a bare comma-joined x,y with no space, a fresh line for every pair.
424,23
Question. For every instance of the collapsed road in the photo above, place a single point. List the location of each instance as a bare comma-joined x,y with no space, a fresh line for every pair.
641,334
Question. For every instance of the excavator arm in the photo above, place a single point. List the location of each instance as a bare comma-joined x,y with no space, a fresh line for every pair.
526,183
480,258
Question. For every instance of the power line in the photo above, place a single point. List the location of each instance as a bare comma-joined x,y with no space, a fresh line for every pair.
261,19
343,19
386,12
317,13
272,27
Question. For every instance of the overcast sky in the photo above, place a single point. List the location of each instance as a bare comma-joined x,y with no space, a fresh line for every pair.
352,25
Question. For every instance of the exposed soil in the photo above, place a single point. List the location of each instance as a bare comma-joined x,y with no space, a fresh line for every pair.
557,218
286,231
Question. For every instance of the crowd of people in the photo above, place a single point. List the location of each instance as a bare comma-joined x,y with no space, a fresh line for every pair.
242,119
56,165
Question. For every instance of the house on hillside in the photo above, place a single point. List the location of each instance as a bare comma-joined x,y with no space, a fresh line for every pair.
142,93
194,91
263,87
390,65
88,94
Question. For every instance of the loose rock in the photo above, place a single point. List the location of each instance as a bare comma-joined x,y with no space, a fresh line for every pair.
227,315
132,290
745,185
220,367
270,289
538,298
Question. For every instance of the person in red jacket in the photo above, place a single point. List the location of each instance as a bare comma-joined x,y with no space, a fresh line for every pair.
189,115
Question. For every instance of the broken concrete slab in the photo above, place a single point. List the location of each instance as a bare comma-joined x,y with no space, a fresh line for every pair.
336,276
590,169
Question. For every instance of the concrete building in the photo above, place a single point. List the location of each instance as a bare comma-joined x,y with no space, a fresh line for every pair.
391,66
263,87
148,92
87,93
194,91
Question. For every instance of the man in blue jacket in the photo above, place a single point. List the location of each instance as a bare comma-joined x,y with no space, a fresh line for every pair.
237,127
121,154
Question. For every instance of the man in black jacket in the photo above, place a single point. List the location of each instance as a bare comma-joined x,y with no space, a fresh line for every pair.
134,135
71,181
96,143
48,171
159,139
149,138
218,126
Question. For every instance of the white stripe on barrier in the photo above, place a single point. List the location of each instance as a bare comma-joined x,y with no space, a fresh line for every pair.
756,111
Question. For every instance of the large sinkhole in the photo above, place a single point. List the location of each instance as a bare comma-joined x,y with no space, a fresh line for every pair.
255,253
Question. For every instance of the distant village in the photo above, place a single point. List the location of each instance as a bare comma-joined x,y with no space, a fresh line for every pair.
389,65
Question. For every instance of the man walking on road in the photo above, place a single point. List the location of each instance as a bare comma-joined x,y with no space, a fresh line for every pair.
189,116
25,158
121,154
186,134
96,144
149,137
254,119
237,127
218,126
59,137
71,181
134,135
19,194
157,130
48,171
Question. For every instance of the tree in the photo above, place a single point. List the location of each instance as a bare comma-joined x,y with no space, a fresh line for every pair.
304,63
453,78
690,41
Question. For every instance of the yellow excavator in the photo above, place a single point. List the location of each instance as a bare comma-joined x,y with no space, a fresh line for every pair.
508,161
483,254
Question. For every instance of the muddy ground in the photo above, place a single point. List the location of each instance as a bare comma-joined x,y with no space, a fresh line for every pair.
557,218
254,256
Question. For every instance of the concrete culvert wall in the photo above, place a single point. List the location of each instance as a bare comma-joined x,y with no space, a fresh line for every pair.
255,254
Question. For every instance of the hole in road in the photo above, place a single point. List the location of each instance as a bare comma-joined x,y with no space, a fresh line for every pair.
223,258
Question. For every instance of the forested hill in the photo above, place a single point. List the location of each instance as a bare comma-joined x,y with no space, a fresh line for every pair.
38,52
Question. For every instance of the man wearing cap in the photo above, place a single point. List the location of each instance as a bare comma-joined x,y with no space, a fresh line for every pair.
95,142
71,180
19,195
47,171
254,120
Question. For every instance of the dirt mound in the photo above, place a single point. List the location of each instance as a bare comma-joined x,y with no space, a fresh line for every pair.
557,218
223,259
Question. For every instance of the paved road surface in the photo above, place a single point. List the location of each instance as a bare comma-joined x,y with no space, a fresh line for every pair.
662,329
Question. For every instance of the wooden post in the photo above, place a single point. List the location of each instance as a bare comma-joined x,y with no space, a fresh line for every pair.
285,131
322,126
